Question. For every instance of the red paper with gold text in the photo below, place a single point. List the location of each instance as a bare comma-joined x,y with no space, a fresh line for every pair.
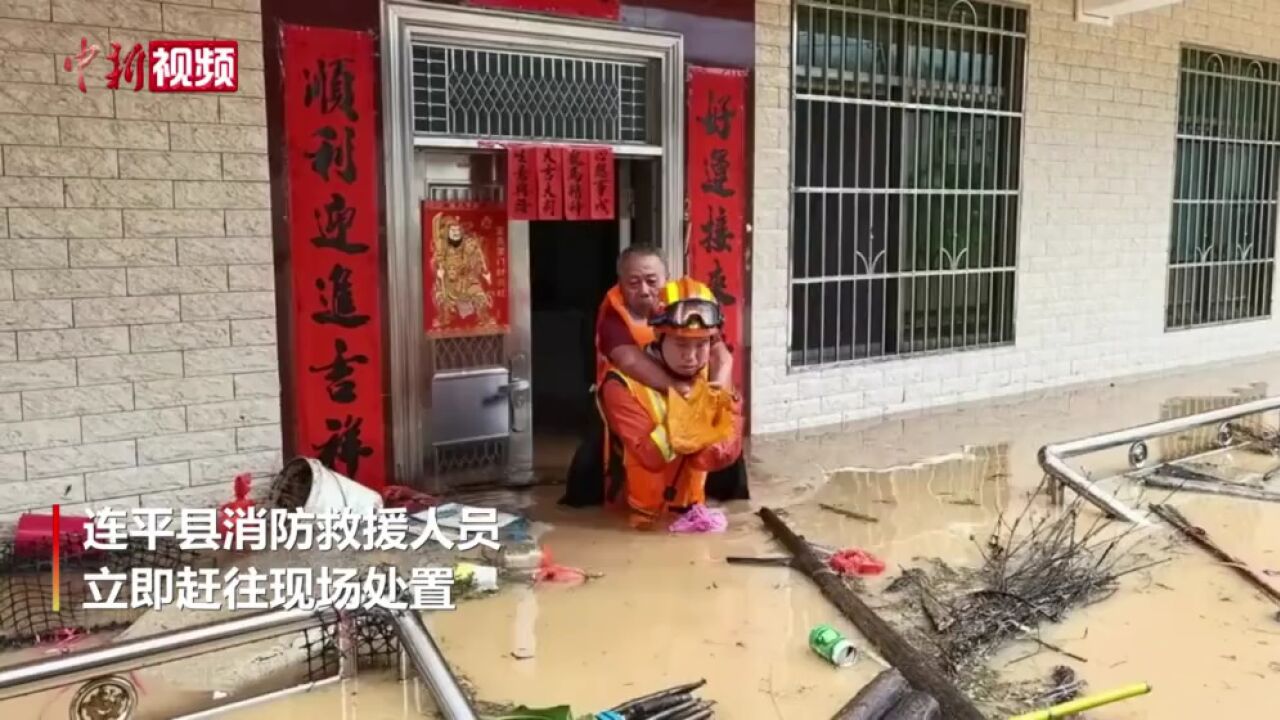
331,126
603,184
464,282
603,9
717,187
550,167
522,183
577,183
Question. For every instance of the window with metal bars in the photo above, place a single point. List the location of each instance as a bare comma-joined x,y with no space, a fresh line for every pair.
907,124
1222,241
472,92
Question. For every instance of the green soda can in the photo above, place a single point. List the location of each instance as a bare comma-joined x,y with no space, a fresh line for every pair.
832,646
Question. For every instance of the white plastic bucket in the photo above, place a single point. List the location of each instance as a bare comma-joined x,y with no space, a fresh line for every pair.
331,491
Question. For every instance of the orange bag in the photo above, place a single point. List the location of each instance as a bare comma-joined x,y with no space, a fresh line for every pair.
700,420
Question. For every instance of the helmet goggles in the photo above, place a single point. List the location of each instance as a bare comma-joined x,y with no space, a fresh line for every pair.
693,317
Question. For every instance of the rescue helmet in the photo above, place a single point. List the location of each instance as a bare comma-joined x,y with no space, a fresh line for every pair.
689,309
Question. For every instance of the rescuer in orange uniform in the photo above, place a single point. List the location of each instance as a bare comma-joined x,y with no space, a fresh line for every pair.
644,472
623,331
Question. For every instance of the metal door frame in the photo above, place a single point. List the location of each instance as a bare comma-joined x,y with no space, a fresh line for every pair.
405,22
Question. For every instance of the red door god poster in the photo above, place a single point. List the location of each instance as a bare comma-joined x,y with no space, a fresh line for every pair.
464,269
330,81
716,175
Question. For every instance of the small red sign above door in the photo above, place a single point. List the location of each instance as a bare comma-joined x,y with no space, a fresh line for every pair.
577,188
522,183
602,9
554,182
602,184
550,162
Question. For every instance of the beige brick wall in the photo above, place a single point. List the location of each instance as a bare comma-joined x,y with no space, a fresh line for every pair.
1093,243
137,331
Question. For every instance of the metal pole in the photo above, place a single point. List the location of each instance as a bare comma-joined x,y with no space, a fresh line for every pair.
1052,457
432,667
261,699
41,675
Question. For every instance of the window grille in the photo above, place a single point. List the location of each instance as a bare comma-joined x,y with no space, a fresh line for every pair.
1222,243
907,132
473,93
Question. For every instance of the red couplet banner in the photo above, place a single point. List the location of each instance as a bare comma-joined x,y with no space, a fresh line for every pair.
330,86
522,183
603,9
717,186
464,269
553,182
549,161
577,183
602,179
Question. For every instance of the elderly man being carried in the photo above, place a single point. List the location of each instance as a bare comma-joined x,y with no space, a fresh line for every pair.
623,331
661,445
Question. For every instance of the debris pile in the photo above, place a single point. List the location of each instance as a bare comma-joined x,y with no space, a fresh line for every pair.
1029,577
1036,570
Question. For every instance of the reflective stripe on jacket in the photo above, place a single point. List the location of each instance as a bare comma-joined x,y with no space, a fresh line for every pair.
643,474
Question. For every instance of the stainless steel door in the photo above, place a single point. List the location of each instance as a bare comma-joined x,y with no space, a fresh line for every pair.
479,416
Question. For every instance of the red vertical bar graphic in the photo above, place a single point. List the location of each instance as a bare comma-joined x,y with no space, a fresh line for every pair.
57,558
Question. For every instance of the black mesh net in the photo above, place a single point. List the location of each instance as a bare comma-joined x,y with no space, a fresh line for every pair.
377,647
27,615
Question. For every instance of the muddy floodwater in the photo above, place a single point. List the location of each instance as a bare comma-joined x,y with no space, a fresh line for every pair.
668,609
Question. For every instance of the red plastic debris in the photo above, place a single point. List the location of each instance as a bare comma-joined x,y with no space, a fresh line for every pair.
856,562
413,501
232,512
550,572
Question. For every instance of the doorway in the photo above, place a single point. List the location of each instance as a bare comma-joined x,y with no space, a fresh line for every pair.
571,267
461,86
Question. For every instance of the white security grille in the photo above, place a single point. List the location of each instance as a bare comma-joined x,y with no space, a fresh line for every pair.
907,134
1222,244
472,93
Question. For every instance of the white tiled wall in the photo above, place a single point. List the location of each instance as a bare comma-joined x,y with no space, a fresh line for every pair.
137,330
1093,244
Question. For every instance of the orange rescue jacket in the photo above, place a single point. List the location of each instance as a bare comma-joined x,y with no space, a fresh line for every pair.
641,332
642,472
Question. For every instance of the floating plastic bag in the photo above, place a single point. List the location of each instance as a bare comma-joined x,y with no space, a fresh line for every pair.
700,519
700,420
413,501
856,562
550,572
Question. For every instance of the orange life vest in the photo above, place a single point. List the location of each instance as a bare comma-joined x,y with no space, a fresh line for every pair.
645,494
641,333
